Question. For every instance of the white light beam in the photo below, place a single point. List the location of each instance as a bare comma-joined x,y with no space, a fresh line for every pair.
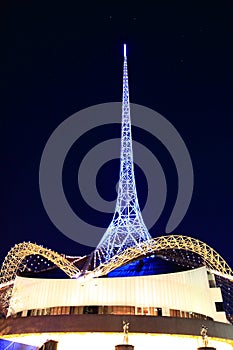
124,50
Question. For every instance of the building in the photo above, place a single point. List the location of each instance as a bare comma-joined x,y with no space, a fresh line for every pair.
166,289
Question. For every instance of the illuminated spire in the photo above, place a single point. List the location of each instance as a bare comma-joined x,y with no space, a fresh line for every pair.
127,227
125,53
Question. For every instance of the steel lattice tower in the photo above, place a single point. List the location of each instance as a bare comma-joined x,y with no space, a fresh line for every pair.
127,227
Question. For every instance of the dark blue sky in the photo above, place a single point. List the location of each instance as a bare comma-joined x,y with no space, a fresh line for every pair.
60,58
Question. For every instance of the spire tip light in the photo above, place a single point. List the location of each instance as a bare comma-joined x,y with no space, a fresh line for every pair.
124,50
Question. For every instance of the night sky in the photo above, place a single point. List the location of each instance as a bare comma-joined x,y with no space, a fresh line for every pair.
58,58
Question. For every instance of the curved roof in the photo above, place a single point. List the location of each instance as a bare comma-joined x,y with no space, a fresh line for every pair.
177,252
208,256
181,247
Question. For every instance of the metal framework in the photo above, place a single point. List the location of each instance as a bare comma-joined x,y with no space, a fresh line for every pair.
127,238
16,256
127,227
210,257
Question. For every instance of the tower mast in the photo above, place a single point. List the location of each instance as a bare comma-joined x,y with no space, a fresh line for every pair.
127,228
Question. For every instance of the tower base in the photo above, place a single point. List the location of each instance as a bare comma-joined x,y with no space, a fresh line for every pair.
206,348
124,347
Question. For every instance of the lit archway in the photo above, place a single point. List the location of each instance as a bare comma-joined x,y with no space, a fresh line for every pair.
19,252
209,256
